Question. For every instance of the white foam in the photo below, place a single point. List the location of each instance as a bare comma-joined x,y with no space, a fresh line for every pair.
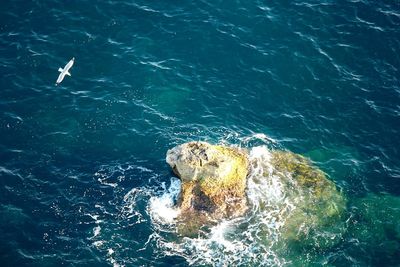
162,208
96,231
130,209
262,184
102,178
98,243
114,263
263,138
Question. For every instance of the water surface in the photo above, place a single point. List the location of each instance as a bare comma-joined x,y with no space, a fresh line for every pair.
81,163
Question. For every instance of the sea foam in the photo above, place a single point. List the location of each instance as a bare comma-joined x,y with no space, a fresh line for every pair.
162,208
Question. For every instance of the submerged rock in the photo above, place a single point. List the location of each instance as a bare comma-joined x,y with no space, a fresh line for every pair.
375,228
318,207
213,182
337,160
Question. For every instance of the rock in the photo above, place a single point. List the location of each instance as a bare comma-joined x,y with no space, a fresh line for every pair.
213,181
317,217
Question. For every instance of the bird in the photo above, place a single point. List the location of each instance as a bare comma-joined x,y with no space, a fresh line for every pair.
65,71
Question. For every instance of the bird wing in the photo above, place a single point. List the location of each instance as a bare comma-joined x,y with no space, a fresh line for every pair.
69,64
60,77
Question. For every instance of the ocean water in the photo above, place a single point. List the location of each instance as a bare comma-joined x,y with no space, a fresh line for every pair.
83,178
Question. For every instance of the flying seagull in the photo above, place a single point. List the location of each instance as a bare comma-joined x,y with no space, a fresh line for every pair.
65,71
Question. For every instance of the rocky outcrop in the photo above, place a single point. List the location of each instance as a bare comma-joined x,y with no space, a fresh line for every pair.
213,181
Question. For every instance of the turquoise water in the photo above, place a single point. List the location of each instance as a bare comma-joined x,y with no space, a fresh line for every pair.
80,162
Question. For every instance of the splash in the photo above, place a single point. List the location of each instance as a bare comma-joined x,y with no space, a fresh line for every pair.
162,208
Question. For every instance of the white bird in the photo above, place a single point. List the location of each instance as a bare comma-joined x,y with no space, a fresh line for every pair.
65,71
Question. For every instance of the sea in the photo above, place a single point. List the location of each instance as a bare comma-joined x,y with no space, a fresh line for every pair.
83,176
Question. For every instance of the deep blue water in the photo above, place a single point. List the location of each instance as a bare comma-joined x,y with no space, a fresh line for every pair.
319,77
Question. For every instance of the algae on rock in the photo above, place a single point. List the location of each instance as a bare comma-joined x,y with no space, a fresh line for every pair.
317,217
